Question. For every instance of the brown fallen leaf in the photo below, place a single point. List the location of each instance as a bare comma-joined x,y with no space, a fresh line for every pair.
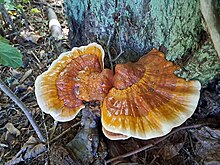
60,155
208,145
12,130
15,73
31,149
26,75
85,144
172,150
31,36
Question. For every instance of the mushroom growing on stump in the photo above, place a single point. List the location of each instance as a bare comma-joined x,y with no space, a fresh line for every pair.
142,100
148,100
58,91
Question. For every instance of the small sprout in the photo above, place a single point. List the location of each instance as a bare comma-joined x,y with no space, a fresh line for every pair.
20,7
25,1
35,11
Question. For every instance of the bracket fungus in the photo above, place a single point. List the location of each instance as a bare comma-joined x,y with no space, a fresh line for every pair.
147,99
142,100
57,89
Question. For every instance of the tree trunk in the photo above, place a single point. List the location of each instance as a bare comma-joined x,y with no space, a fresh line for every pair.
137,26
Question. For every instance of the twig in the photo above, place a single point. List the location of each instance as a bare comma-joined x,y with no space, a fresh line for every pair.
112,35
8,92
45,128
38,61
53,129
121,50
23,97
108,47
64,132
156,141
116,58
43,3
7,17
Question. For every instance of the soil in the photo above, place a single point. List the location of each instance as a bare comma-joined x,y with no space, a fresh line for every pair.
197,145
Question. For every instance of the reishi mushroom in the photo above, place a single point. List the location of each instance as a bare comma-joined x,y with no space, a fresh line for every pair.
57,90
142,100
148,100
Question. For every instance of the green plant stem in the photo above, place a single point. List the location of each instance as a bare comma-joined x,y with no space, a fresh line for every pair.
8,92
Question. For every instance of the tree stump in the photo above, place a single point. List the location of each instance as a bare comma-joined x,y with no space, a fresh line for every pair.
137,26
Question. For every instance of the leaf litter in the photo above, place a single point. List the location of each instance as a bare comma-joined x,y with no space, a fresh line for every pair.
193,146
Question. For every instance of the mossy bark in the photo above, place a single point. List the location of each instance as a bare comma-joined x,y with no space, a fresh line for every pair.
174,27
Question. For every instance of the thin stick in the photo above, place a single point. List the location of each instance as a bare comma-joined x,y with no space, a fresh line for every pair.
8,92
112,35
156,142
64,132
116,58
108,47
7,17
121,50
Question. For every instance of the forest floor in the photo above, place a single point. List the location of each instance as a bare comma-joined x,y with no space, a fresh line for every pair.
195,142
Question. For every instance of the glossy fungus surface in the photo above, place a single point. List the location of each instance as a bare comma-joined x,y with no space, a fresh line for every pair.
56,89
142,100
148,100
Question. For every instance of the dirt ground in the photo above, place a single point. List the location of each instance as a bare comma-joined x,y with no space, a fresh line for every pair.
195,142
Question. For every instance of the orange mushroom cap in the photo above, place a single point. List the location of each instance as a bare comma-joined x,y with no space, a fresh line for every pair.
94,86
56,90
148,100
114,136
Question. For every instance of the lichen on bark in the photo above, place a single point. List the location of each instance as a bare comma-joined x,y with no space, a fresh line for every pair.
204,65
178,26
174,27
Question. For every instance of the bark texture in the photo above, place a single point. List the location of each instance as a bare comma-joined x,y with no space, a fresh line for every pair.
137,26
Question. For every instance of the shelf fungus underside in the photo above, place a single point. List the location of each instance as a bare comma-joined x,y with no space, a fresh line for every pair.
142,100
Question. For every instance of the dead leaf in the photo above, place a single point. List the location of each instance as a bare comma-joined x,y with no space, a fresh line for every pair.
16,74
85,143
26,75
31,149
60,155
31,36
171,147
171,150
208,145
12,130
